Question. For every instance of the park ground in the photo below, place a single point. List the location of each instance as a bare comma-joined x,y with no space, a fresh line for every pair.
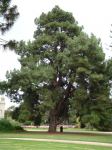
69,140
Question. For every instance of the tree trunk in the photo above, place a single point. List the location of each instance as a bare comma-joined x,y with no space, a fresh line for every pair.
52,121
57,112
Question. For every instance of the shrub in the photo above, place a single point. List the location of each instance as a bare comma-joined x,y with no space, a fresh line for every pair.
18,128
5,125
13,122
8,125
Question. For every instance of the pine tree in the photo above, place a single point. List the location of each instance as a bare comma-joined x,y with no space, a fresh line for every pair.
63,67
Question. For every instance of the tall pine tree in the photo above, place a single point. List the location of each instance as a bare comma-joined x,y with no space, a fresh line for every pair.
63,68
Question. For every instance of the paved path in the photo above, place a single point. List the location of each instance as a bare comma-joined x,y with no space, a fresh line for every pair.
61,141
73,132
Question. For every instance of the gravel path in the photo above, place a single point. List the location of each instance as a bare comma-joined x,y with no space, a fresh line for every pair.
61,141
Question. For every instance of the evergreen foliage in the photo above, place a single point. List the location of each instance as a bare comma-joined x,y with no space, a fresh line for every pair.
62,70
8,15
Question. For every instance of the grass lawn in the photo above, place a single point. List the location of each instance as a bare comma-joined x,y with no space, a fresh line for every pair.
64,136
32,145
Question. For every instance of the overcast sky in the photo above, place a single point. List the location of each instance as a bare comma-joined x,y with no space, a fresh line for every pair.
94,15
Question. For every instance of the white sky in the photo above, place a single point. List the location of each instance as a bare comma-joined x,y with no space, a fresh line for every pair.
94,15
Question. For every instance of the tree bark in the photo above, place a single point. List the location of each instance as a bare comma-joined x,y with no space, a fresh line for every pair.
52,121
59,112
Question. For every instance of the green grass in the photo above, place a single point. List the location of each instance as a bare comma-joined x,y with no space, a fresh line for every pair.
32,145
77,136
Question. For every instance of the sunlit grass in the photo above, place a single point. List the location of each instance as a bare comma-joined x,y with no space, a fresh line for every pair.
32,145
73,136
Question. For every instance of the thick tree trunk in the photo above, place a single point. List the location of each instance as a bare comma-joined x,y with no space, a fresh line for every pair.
56,113
52,121
52,127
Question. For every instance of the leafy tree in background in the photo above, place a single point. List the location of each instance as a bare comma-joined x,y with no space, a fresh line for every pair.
29,109
9,112
62,70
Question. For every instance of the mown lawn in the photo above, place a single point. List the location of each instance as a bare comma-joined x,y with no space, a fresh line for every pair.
33,145
64,136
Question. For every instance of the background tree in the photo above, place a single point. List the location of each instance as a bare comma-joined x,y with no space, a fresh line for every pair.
9,112
61,70
8,15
